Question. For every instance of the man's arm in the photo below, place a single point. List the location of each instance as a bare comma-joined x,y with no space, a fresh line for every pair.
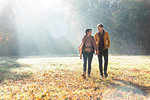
108,41
95,37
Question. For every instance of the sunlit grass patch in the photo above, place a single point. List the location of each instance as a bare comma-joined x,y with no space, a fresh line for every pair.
60,78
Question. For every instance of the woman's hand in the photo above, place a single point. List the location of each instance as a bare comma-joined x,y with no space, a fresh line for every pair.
80,56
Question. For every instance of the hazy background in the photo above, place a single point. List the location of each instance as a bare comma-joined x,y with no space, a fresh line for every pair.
56,27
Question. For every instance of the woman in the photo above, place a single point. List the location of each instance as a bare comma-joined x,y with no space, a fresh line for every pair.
87,47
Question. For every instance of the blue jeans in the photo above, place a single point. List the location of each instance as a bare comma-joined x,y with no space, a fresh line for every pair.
87,56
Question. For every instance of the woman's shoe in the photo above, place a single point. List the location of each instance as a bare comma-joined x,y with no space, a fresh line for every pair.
84,75
101,75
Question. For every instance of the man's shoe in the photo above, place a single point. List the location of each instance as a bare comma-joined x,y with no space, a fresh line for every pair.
89,76
106,75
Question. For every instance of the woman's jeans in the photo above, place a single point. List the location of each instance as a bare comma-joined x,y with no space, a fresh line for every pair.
87,56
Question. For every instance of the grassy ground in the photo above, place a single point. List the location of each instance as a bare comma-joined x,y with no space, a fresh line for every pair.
60,78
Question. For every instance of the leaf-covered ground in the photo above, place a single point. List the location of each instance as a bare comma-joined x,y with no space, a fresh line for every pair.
60,78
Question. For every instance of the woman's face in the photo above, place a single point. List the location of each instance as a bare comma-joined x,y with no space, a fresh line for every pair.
90,32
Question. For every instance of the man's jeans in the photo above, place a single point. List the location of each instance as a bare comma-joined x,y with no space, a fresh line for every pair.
87,56
105,54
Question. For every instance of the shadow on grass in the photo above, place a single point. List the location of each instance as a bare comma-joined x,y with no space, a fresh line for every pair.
143,90
127,87
6,65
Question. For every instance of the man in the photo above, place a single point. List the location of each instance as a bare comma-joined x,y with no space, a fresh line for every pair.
103,43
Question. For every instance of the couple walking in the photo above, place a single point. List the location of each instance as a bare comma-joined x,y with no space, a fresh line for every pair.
99,43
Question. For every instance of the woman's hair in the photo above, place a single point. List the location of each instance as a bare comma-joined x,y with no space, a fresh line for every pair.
87,30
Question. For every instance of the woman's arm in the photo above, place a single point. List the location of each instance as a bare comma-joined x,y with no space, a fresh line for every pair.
84,38
95,46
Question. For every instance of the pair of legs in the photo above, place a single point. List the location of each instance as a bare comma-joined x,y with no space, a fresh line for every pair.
105,54
87,56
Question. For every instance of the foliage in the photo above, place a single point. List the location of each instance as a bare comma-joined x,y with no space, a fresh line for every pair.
60,78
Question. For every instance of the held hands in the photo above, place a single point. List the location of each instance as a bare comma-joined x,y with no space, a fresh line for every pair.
107,48
97,52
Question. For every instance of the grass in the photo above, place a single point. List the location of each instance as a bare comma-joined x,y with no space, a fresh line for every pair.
60,78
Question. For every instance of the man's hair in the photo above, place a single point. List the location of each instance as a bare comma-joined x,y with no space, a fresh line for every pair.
87,30
100,25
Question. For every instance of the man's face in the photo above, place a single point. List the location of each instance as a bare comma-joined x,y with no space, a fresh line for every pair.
100,29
